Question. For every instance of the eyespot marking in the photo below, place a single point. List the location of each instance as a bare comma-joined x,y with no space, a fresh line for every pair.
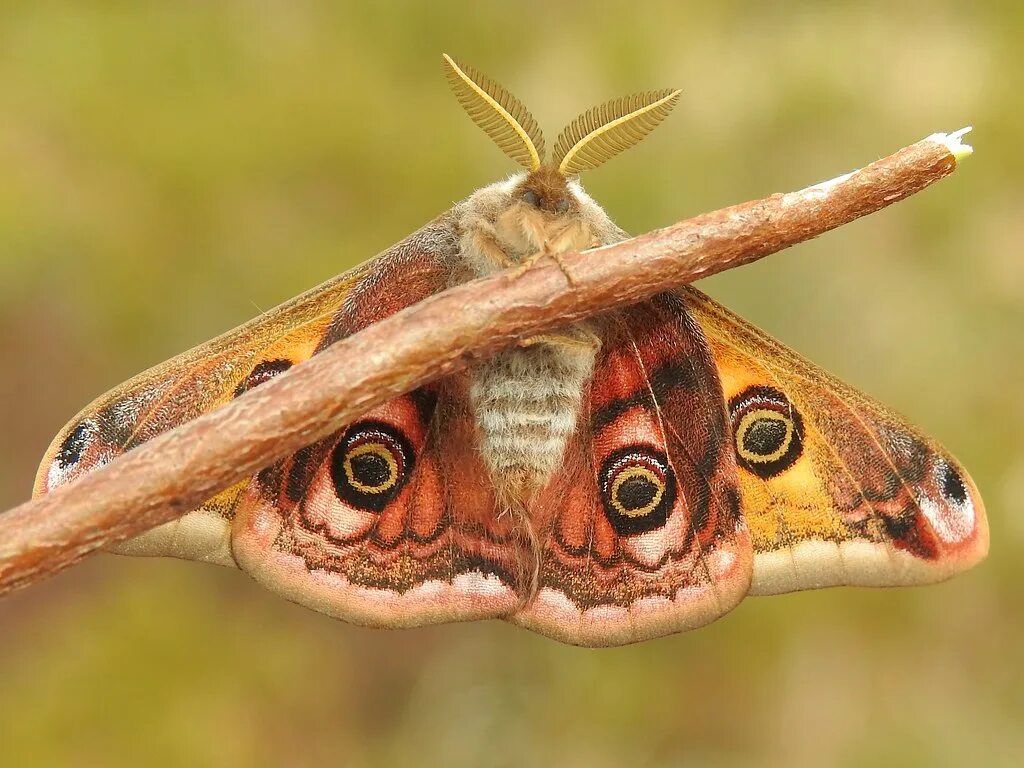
767,430
638,489
370,465
946,503
261,374
75,444
952,484
82,450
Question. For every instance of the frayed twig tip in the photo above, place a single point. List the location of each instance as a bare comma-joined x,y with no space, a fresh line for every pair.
952,142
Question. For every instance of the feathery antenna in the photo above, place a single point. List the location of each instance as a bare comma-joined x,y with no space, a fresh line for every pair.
501,115
604,131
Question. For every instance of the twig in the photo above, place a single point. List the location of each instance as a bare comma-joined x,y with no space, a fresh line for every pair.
177,471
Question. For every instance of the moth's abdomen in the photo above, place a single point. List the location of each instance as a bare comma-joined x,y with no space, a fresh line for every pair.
526,403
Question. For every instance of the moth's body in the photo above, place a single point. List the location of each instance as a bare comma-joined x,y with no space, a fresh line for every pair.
660,464
526,400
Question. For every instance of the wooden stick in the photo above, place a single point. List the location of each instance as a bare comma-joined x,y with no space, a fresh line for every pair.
178,470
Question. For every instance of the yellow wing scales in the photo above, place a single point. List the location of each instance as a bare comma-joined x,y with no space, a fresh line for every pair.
861,498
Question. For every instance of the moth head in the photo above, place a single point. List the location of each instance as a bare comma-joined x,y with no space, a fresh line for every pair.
593,137
547,192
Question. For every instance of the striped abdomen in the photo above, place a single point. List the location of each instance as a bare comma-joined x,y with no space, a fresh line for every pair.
526,403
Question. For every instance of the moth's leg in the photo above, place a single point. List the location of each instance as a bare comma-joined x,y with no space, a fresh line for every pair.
526,264
562,242
577,338
484,241
556,256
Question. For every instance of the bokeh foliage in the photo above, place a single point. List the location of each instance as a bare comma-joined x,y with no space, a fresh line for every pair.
170,168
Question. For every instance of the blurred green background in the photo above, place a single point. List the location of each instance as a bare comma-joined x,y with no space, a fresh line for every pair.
169,169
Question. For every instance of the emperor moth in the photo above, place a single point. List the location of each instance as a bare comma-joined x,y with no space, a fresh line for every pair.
629,476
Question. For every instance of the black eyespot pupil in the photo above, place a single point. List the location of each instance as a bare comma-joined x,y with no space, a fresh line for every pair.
636,493
371,470
952,486
638,489
765,436
73,445
371,464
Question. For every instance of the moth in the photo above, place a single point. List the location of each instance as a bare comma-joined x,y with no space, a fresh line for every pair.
623,478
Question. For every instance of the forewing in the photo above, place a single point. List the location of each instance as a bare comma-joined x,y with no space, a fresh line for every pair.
640,534
836,488
212,374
